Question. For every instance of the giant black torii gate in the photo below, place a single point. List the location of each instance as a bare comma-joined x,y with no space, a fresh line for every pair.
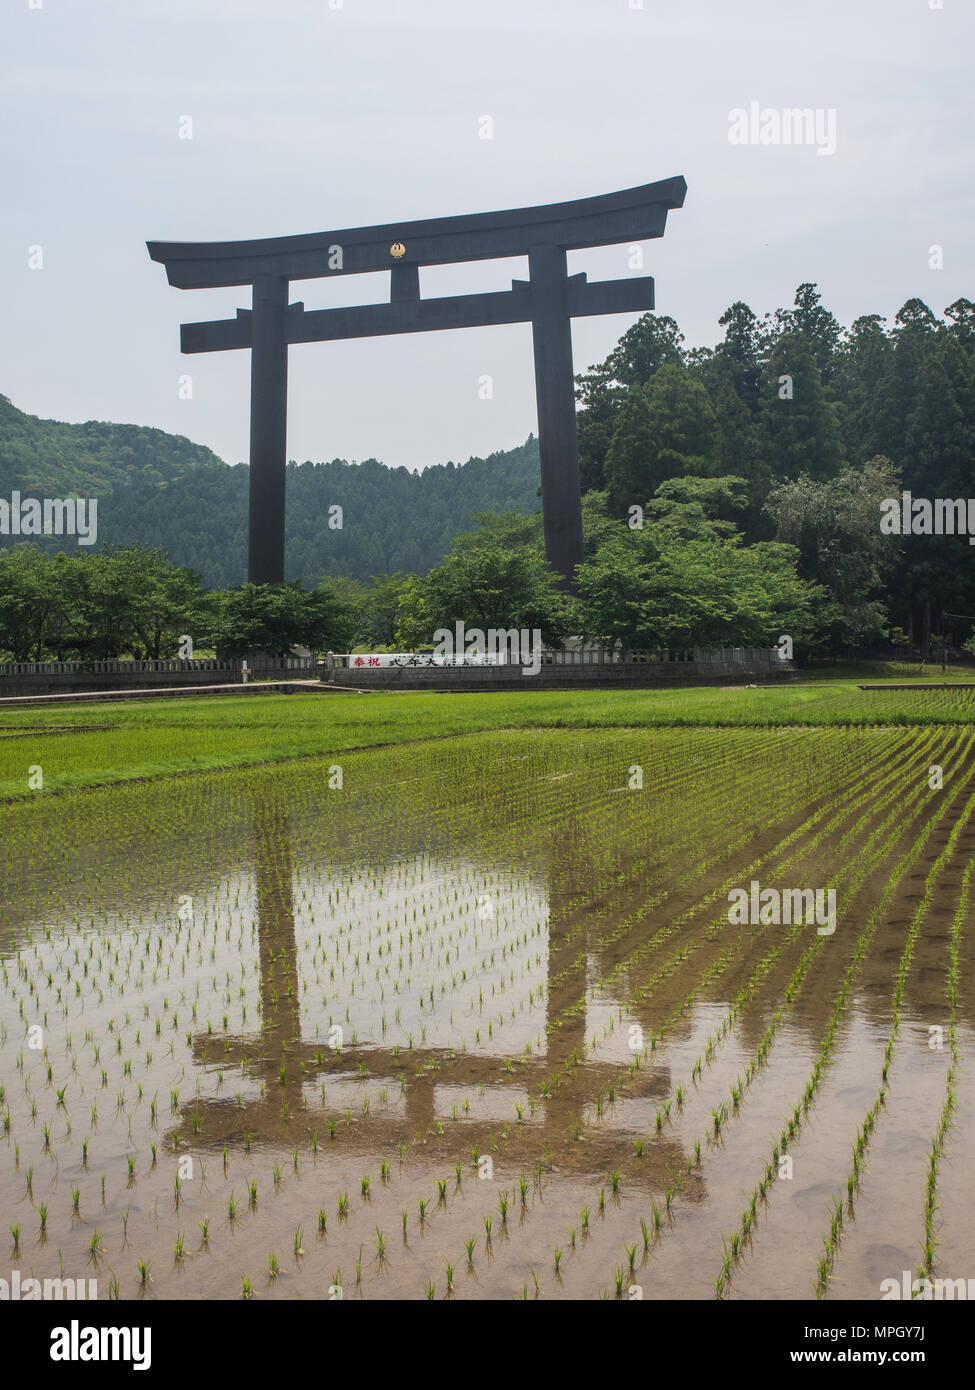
548,300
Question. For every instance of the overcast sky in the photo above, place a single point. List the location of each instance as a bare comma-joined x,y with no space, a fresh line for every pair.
309,115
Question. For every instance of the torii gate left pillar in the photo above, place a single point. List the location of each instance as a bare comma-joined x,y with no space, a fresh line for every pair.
269,430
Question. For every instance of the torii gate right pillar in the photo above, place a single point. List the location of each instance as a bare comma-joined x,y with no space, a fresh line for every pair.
558,445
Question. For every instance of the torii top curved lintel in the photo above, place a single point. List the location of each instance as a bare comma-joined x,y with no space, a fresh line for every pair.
632,214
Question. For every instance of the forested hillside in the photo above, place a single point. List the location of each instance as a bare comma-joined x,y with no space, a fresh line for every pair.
46,458
161,490
392,519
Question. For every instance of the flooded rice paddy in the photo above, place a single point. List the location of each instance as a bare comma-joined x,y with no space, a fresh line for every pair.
469,1020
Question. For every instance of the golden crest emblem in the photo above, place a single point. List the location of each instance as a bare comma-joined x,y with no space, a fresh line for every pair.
397,250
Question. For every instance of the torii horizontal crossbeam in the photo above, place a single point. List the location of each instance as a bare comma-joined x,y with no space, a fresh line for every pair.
421,315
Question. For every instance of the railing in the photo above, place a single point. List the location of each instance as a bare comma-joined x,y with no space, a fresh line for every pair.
100,668
728,656
283,663
581,656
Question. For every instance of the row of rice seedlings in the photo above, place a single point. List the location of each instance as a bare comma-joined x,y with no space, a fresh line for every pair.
734,1247
831,1241
761,970
624,925
554,1080
292,732
794,1123
721,1113
762,1051
676,960
927,1266
688,872
866,859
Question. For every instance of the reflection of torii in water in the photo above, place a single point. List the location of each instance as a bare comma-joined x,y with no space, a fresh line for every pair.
263,1054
